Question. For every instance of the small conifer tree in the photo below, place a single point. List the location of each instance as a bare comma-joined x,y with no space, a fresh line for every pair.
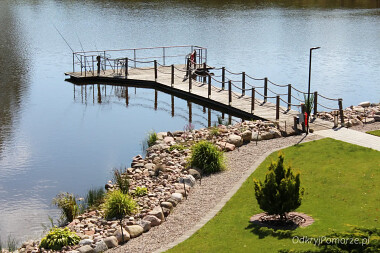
281,192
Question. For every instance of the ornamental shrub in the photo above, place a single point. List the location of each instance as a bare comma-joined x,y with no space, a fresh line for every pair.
68,205
117,205
281,192
140,191
121,181
207,157
59,237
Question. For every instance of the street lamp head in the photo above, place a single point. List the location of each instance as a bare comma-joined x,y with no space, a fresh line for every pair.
315,48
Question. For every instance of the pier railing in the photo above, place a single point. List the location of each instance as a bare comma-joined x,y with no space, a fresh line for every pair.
259,91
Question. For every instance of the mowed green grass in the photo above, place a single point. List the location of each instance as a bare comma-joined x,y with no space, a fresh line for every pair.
342,187
375,132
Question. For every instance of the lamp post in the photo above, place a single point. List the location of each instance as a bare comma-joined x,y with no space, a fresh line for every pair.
308,92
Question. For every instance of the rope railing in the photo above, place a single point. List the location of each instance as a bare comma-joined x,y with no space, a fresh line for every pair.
256,79
232,73
328,108
332,99
278,85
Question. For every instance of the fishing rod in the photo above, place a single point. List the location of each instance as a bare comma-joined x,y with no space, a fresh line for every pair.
84,53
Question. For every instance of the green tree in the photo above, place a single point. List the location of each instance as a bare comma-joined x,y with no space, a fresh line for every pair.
281,192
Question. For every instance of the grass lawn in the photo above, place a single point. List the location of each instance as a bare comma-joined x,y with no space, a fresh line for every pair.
375,132
342,186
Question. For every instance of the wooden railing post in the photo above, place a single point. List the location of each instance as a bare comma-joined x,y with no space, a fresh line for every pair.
172,75
341,111
253,100
315,103
209,86
289,96
303,110
126,68
229,93
243,84
277,107
265,89
223,77
155,70
98,64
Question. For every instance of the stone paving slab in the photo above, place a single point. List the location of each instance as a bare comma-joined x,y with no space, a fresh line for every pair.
353,137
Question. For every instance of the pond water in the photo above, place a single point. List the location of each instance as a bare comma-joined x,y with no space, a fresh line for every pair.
55,136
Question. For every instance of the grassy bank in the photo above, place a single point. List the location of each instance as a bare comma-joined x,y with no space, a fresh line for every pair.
375,132
342,186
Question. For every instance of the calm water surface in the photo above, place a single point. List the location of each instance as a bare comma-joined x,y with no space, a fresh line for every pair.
56,137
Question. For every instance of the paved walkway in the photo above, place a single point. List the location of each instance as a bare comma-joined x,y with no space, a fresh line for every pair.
352,136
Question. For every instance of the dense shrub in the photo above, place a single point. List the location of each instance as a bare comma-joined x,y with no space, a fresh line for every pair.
280,193
95,197
152,138
68,205
117,205
121,181
59,237
207,157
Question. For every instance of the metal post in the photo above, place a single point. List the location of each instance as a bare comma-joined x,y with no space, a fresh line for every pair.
289,96
73,63
229,93
223,77
155,100
277,107
155,70
172,106
163,55
209,118
341,111
92,58
243,84
253,100
98,64
265,89
105,61
315,103
190,82
295,121
172,75
204,77
209,86
134,56
308,91
126,68
85,67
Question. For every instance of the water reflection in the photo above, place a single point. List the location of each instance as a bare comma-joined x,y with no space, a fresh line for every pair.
195,113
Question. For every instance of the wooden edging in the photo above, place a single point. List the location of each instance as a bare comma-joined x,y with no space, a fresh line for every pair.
223,201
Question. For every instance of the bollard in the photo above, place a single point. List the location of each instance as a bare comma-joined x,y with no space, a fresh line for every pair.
289,96
265,89
295,126
341,111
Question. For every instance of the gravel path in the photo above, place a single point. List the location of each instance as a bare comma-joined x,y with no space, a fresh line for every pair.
204,197
367,127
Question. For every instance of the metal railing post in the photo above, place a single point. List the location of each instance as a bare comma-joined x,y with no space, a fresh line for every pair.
163,55
172,83
341,111
85,67
243,84
134,56
253,100
289,96
265,89
73,63
155,70
315,103
229,93
223,77
126,67
204,67
277,107
105,61
93,70
98,64
190,82
209,86
81,66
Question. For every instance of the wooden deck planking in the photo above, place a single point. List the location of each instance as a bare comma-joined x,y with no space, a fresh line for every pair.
263,110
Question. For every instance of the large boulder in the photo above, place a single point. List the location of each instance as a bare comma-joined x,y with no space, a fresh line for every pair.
145,224
157,211
100,246
365,104
226,146
154,221
188,180
111,242
195,173
246,136
119,235
177,196
256,136
267,135
134,230
85,242
86,249
235,139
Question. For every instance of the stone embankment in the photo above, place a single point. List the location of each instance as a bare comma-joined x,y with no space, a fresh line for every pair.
364,113
168,179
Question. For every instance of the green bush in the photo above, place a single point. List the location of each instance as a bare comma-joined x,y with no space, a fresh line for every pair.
140,191
12,243
280,193
117,205
207,157
178,147
59,237
95,197
152,138
68,205
121,181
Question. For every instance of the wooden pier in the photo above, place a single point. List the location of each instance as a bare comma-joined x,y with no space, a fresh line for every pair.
230,92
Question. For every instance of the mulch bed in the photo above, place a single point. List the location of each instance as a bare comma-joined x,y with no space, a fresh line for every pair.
293,221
